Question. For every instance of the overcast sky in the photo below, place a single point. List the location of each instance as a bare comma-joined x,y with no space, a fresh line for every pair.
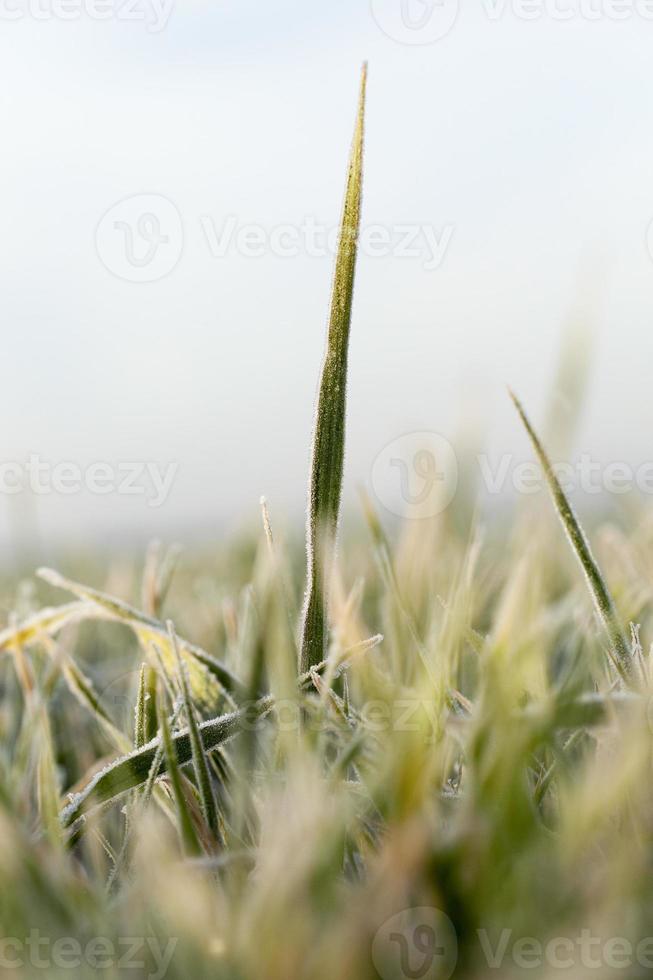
511,158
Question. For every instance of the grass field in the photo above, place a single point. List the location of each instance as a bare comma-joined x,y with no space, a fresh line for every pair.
426,754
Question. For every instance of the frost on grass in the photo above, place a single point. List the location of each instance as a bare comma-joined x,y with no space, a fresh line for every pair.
209,678
328,451
132,770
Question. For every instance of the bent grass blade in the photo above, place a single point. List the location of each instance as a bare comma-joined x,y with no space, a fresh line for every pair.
48,621
208,676
132,770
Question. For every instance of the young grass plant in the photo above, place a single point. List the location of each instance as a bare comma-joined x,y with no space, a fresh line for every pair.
329,435
435,781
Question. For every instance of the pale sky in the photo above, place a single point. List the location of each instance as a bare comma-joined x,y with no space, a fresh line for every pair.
523,147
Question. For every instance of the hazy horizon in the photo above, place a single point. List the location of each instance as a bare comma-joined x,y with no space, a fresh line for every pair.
517,154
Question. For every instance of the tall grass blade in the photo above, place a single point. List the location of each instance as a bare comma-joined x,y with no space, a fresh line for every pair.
603,601
186,829
149,784
200,761
329,435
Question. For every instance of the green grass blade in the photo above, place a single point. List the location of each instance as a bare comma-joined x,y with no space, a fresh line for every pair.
186,829
47,781
149,784
603,601
130,771
329,435
146,711
200,761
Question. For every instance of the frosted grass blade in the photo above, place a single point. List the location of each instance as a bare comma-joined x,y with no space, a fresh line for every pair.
48,621
130,771
200,761
146,711
186,829
329,434
203,673
603,601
